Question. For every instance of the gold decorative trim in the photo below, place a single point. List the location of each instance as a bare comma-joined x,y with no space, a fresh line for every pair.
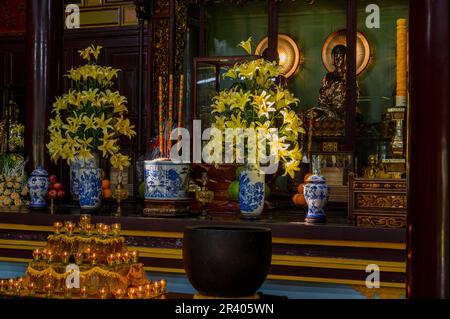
275,240
281,260
380,221
380,200
273,277
381,293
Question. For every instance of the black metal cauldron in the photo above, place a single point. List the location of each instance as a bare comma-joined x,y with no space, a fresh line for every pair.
227,261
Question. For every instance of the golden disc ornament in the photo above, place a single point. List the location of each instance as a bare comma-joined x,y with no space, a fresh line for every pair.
363,51
288,53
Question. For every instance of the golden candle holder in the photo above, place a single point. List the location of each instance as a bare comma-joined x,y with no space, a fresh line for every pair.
118,258
11,283
99,227
131,292
89,229
48,288
3,285
85,219
36,255
70,227
105,230
115,229
93,259
57,226
103,293
204,196
65,257
67,292
110,259
156,287
49,256
83,292
78,258
119,293
135,256
120,194
163,284
31,288
148,290
126,257
140,292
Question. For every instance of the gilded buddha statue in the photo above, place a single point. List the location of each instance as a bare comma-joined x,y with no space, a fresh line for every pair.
329,114
11,130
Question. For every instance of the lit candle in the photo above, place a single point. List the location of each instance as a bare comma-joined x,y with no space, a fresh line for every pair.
31,288
119,293
110,259
65,257
78,258
135,255
163,285
148,290
49,256
180,105
156,287
48,289
57,226
118,258
2,285
105,230
70,228
103,293
89,229
67,292
140,292
169,125
131,292
126,257
36,254
11,284
99,227
116,229
44,254
94,259
84,220
160,100
401,63
83,292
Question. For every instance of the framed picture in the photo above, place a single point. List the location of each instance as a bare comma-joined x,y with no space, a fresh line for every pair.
335,167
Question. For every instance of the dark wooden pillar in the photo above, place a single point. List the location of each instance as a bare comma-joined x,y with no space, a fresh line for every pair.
272,49
43,48
428,244
350,94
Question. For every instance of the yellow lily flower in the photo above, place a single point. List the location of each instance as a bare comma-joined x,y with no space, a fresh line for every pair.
247,45
120,161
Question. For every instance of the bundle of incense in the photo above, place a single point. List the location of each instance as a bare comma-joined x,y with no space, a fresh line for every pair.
169,124
180,105
160,99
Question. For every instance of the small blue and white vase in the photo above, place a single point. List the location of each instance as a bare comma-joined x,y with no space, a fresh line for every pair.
38,184
316,193
166,180
251,192
90,188
75,165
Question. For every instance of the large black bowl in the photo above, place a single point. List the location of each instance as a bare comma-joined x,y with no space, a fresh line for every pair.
223,261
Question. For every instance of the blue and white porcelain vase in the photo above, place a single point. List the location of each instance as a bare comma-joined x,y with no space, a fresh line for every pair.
90,192
251,192
166,180
316,192
75,166
38,184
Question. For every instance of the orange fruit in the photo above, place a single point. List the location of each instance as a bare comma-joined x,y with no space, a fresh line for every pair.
299,200
105,184
300,188
305,179
107,193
